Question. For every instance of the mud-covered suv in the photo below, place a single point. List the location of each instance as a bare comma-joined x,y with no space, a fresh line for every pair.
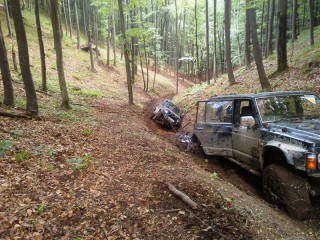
275,135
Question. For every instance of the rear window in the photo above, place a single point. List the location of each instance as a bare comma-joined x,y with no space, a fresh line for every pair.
215,112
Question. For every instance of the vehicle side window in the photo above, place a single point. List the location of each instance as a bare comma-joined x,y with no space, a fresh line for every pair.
219,112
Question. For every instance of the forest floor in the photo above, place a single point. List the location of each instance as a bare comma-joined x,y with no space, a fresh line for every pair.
104,175
101,169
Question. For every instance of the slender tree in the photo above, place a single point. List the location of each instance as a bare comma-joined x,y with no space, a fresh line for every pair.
256,48
282,36
312,22
59,55
247,54
126,51
8,18
77,23
269,46
5,73
227,13
215,70
41,47
32,103
207,42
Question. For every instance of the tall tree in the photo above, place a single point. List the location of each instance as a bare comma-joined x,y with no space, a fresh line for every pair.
126,51
247,54
8,18
177,47
312,17
41,47
196,37
256,48
227,13
207,42
77,23
269,46
32,103
282,62
215,70
5,73
59,55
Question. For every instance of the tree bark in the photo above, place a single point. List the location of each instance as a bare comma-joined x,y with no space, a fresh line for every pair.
282,36
196,37
227,13
114,40
59,55
32,103
126,52
5,73
294,20
41,47
256,49
65,16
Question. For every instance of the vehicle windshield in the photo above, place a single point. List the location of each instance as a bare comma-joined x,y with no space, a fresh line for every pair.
173,108
289,107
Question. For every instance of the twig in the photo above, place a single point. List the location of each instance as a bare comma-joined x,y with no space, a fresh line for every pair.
182,196
171,210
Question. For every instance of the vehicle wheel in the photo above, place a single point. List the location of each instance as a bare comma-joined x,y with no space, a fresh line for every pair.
286,189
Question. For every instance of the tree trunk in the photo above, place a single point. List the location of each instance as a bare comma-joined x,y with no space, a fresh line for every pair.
126,52
32,103
215,70
256,49
41,47
59,54
207,43
177,47
282,36
114,37
5,73
8,18
108,40
70,21
269,46
77,22
294,20
227,13
311,3
247,54
196,37
65,16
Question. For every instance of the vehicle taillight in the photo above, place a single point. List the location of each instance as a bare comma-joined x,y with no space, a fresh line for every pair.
311,162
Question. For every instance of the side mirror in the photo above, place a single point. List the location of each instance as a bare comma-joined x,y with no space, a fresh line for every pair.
247,121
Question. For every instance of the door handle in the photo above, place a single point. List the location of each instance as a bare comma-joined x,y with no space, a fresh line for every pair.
235,131
200,128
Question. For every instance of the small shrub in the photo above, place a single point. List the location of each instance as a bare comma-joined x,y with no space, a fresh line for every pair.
21,156
86,132
5,145
79,163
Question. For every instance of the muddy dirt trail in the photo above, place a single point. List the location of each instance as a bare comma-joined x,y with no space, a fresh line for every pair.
246,183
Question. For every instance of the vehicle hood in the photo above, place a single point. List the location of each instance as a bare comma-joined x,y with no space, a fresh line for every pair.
305,131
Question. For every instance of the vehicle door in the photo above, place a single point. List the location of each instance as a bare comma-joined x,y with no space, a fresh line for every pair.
246,132
214,126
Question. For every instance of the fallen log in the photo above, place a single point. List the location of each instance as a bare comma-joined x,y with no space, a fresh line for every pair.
14,115
185,198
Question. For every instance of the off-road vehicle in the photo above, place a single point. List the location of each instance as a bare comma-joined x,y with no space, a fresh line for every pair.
167,114
275,135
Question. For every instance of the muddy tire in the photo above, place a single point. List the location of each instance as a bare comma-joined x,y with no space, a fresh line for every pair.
287,190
